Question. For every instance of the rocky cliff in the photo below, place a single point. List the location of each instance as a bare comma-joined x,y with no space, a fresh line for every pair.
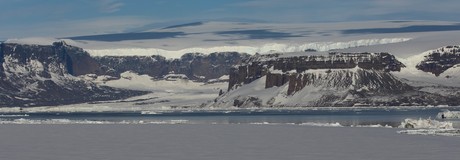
279,70
439,60
37,75
195,66
337,79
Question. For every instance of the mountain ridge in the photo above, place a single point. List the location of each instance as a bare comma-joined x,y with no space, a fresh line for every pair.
336,79
37,75
261,83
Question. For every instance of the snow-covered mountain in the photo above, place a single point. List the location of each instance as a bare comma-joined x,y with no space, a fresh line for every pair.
338,79
440,60
389,63
37,75
56,74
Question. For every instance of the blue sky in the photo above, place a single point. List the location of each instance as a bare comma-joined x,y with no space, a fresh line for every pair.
60,18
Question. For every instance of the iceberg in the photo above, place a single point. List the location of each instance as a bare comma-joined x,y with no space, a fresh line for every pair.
448,115
425,123
428,127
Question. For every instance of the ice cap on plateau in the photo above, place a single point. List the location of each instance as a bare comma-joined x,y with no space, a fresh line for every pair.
262,49
34,40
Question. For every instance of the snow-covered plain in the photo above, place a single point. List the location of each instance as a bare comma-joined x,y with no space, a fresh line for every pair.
165,95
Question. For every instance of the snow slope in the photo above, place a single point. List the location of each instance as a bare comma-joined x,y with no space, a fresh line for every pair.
323,87
450,77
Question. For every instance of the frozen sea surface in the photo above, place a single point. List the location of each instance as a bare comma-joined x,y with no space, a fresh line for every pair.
221,141
237,134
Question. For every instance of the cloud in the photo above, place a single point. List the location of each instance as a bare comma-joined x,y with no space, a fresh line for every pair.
299,10
350,10
110,6
68,28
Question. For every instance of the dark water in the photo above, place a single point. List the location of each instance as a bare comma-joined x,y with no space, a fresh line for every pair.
348,117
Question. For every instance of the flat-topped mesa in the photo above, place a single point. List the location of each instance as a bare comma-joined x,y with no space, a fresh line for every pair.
196,66
41,75
278,69
71,60
335,60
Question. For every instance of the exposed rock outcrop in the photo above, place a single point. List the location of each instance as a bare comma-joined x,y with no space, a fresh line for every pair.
337,79
195,66
37,75
439,60
276,67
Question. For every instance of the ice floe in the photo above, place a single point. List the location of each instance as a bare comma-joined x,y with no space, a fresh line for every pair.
448,115
428,127
426,124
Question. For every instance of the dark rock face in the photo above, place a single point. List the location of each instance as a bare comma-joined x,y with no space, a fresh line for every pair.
258,66
372,80
247,101
337,79
113,66
82,62
35,75
195,66
440,60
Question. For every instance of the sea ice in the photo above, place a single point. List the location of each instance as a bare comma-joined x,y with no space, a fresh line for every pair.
425,123
428,127
214,141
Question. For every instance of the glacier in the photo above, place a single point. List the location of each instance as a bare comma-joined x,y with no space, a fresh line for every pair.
261,49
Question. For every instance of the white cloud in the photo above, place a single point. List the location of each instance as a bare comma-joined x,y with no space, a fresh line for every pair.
101,25
110,6
427,6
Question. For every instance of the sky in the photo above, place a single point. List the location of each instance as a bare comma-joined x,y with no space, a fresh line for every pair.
63,18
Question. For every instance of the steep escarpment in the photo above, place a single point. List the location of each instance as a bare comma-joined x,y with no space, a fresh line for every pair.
195,66
337,79
37,75
275,66
357,78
